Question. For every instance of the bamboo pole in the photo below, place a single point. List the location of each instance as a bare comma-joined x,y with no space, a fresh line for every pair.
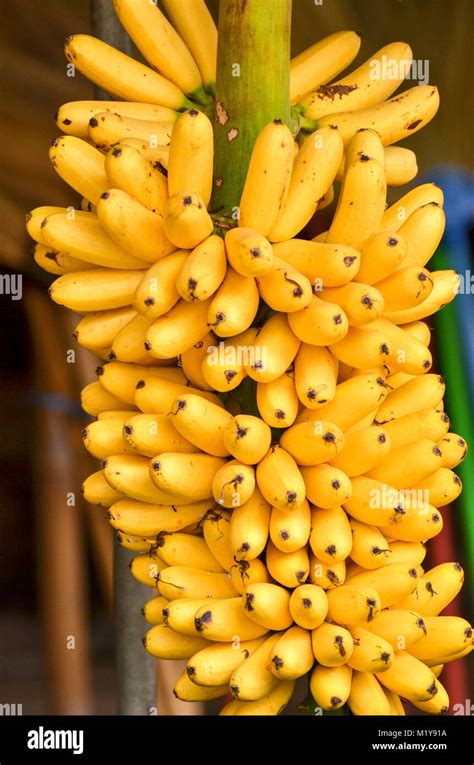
253,88
135,667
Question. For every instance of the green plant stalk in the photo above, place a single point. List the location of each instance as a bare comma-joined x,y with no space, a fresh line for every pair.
253,88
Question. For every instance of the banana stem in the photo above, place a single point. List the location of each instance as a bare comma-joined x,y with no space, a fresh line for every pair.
253,88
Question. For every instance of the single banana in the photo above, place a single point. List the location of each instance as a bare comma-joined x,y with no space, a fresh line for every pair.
272,703
287,568
143,518
224,620
280,480
422,231
268,178
106,130
99,289
367,696
445,288
203,270
326,486
121,75
423,392
289,532
130,475
370,549
254,679
95,399
179,614
405,288
277,401
156,293
216,529
104,437
201,422
215,664
129,170
190,164
234,306
454,449
249,528
366,86
177,330
292,654
401,165
371,653
381,255
152,610
129,343
330,686
97,491
233,484
80,165
146,568
223,364
186,690
362,303
273,350
247,438
320,323
73,117
267,604
248,251
98,330
322,62
392,582
331,535
312,443
326,575
363,450
395,216
315,375
192,362
438,705
284,288
402,629
330,265
308,606
164,643
187,582
122,379
353,605
167,469
409,678
314,169
181,549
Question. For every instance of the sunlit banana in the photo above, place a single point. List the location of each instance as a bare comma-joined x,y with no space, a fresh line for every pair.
130,475
328,265
215,664
369,549
254,679
308,606
330,686
156,293
402,629
203,270
129,170
326,486
274,349
186,690
97,491
267,605
363,450
80,165
280,480
371,653
99,289
287,568
248,251
187,222
224,620
321,62
191,154
195,25
290,531
201,422
145,519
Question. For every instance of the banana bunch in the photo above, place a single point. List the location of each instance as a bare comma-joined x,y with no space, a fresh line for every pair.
272,443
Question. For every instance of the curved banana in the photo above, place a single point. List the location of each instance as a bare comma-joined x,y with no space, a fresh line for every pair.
406,465
321,62
224,620
164,643
192,362
363,450
371,653
130,475
273,350
381,255
254,679
247,438
95,399
80,165
152,610
445,288
405,288
331,535
129,170
367,697
319,323
249,527
284,288
97,491
370,549
402,629
280,480
234,306
98,289
201,422
277,401
190,163
392,582
104,437
181,549
233,484
331,265
330,686
166,470
362,303
454,449
409,678
177,330
156,293
395,216
179,614
187,582
315,375
223,364
203,270
187,222
292,654
326,486
287,568
368,85
106,130
196,26
268,178
248,251
423,392
145,519
98,330
353,605
215,664
123,379
186,690
268,605
289,532
73,117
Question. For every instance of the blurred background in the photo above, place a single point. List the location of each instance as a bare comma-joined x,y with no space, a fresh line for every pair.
55,552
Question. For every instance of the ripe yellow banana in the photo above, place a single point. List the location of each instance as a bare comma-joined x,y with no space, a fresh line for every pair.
157,155
292,655
287,568
420,523
392,582
401,628
438,705
408,464
224,620
95,399
187,222
104,437
192,361
326,486
405,288
362,303
321,62
268,178
312,443
367,696
273,350
331,535
326,575
98,330
247,438
164,643
315,375
121,75
254,679
145,519
233,484
249,527
395,119
439,587
409,678
361,203
187,582
330,686
371,653
195,24
277,401
190,163
80,165
156,293
186,690
381,255
106,130
216,529
98,289
284,288
370,549
267,604
320,323
177,330
355,399
290,531
35,219
201,422
129,343
179,614
444,635
314,169
215,664
308,606
203,270
280,480
130,475
168,468
394,701
73,117
181,549
353,605
222,365
160,44
129,170
152,610
367,86
413,553
445,288
248,251
400,164
97,491
272,703
82,236
234,306
363,450
246,572
454,449
146,568
423,392
122,379
395,216
422,232
328,265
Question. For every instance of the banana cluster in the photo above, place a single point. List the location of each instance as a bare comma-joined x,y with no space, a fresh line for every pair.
273,444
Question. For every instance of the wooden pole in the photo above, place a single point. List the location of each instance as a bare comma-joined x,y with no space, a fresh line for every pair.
135,667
